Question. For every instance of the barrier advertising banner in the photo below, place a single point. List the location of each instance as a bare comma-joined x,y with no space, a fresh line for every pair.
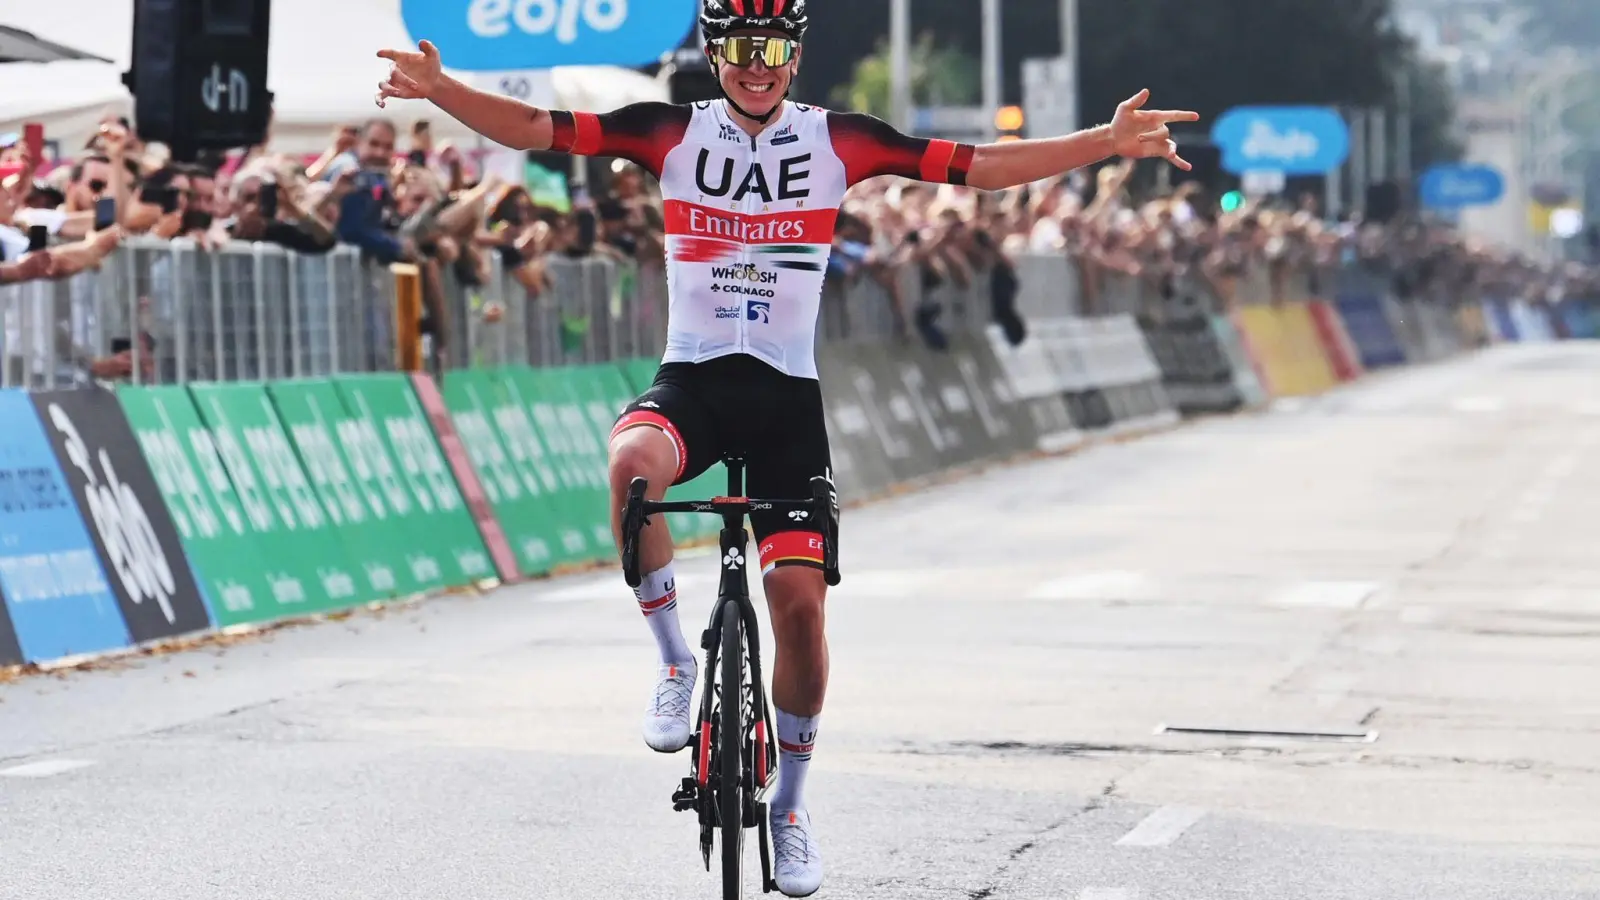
126,516
388,412
376,540
51,581
211,518
292,528
515,496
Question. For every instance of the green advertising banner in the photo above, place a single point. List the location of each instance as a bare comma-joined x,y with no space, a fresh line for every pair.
394,557
510,407
293,529
558,419
511,484
385,408
218,536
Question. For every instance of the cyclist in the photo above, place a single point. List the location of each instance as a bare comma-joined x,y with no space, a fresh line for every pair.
752,185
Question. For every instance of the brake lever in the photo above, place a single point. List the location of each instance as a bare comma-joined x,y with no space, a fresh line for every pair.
825,503
633,520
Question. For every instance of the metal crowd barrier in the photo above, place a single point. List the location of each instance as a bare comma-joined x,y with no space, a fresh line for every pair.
254,311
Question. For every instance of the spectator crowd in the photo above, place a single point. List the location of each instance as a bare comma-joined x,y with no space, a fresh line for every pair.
406,199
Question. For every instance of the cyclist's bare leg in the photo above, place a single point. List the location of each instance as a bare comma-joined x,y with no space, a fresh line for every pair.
644,451
795,597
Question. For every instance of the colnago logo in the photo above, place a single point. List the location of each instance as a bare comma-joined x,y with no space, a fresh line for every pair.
760,311
741,289
744,273
132,548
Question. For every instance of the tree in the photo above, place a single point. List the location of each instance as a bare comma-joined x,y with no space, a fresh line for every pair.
940,76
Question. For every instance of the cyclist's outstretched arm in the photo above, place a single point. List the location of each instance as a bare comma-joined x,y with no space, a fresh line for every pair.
641,132
871,147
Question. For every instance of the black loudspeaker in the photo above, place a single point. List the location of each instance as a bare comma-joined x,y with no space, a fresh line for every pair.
199,73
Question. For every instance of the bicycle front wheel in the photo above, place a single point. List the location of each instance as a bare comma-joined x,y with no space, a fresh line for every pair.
730,753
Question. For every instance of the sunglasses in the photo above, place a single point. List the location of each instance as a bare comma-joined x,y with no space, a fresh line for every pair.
744,51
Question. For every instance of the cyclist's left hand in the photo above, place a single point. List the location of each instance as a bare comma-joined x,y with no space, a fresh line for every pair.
1139,133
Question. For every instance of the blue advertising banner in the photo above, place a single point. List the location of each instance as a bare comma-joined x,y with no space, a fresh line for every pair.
488,35
1452,187
1294,140
50,576
1370,329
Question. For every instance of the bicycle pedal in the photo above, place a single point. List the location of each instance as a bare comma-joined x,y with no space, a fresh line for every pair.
686,797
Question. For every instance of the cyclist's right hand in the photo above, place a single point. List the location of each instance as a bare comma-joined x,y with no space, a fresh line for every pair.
413,74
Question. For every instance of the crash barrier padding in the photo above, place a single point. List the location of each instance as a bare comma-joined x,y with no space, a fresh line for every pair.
1246,376
1498,315
1369,327
1580,318
1283,338
1336,342
1195,368
1532,325
1470,322
148,513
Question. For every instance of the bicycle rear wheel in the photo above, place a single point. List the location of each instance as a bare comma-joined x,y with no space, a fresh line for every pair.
730,753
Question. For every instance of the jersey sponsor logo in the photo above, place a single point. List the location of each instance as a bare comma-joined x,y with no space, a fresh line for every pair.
741,289
744,273
785,135
811,226
728,312
729,133
791,178
760,311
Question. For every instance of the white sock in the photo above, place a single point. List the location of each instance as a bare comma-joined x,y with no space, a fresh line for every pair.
796,736
658,600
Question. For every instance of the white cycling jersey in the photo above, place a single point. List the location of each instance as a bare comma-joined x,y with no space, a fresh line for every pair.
750,220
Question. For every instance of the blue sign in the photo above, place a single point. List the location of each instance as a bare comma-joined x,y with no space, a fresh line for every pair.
1294,140
490,35
1456,186
50,575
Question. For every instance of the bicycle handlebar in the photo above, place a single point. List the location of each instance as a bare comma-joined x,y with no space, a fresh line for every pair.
823,505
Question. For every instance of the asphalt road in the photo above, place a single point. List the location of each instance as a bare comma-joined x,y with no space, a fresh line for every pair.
1415,557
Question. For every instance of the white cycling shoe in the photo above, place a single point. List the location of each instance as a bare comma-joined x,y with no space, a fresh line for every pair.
796,864
666,720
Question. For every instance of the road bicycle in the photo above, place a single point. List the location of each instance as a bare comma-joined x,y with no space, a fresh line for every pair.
734,745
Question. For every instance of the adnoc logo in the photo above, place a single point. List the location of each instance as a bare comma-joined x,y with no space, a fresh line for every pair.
489,35
1294,140
760,311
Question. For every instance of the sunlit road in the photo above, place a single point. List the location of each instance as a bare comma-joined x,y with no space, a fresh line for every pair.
1416,557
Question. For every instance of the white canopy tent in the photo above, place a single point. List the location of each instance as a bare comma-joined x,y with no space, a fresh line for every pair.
322,69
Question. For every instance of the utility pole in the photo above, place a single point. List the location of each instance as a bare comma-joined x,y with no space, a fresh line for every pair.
900,63
991,66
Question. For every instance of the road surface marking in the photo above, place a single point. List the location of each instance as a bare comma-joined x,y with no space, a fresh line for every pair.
1327,594
1112,585
1162,827
46,768
1478,404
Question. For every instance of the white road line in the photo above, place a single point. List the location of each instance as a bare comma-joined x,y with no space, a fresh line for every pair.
1108,893
1327,594
1478,404
46,768
1112,585
1162,827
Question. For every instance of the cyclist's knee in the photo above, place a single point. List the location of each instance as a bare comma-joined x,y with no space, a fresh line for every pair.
643,452
796,597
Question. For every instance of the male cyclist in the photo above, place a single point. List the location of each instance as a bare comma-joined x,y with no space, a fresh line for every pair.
752,185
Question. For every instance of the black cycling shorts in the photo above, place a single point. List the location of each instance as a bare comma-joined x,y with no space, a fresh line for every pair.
742,406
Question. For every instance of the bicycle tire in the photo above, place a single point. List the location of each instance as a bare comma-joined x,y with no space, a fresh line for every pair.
730,753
